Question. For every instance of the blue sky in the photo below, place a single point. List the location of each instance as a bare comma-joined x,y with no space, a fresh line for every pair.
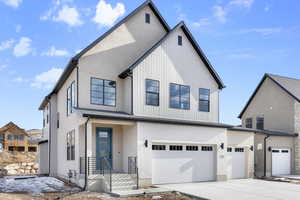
243,39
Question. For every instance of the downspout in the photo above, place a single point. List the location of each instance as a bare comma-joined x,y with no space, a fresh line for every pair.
131,94
49,143
85,154
265,156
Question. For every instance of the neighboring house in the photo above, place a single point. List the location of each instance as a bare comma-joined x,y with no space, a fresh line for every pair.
274,107
13,138
141,98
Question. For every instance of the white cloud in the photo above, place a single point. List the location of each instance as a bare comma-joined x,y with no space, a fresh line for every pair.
242,3
220,13
55,52
23,47
106,15
263,31
18,28
19,79
47,79
6,44
69,15
12,3
2,67
201,23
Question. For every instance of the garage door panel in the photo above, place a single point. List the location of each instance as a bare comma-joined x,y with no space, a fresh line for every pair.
281,162
236,166
183,166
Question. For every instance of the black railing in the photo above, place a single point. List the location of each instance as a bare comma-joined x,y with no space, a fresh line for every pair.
106,171
133,170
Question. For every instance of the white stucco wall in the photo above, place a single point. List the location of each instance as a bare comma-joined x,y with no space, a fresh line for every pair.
202,135
43,158
170,63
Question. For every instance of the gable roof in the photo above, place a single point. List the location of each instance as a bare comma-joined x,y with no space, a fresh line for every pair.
265,132
74,60
204,59
290,85
13,128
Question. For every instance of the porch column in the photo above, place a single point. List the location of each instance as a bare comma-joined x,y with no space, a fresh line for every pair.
89,133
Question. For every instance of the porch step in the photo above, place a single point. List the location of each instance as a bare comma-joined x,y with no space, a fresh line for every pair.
122,182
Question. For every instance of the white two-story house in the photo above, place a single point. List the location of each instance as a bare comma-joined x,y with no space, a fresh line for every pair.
141,100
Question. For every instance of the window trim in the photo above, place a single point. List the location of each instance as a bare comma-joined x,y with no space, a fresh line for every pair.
72,104
199,100
179,96
179,40
263,124
148,79
149,17
246,120
69,145
103,92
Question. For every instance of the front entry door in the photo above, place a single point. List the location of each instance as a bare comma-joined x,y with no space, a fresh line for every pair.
103,146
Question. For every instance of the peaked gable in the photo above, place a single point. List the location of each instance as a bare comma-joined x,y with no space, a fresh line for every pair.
12,128
74,61
188,34
289,85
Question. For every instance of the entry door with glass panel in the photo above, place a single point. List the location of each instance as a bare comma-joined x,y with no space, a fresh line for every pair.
103,146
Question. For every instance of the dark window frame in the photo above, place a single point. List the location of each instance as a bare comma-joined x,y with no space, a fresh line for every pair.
32,149
71,98
260,123
180,97
150,92
103,92
204,100
71,145
147,18
179,40
249,122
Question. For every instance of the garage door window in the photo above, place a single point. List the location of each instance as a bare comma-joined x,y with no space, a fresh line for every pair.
158,147
229,149
275,151
284,151
206,148
175,148
192,148
239,149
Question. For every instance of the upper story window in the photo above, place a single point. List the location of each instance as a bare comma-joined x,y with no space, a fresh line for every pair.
249,123
15,137
260,123
71,145
179,96
147,18
204,100
152,92
103,92
71,101
179,40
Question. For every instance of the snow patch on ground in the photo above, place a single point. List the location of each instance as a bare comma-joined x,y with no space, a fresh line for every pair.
36,185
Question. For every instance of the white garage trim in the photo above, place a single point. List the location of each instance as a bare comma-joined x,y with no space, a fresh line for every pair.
178,142
183,163
281,161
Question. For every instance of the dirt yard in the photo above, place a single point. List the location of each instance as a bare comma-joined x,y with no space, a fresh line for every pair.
89,196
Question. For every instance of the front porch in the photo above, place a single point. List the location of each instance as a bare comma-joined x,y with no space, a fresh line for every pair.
111,155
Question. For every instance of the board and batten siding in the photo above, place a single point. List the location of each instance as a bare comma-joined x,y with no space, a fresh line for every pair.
170,63
116,52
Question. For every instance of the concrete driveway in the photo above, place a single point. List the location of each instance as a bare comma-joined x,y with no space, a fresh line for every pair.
244,189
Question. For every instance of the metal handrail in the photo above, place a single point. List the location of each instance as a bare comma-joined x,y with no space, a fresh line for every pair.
105,166
133,169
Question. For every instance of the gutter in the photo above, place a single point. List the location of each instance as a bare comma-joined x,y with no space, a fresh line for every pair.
265,155
85,155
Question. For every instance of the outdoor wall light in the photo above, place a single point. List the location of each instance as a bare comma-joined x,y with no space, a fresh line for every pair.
222,145
146,143
251,148
270,148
